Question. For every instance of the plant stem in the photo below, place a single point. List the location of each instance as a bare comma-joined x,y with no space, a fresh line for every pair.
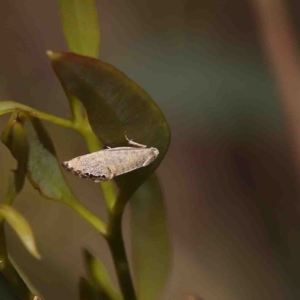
55,120
78,123
75,108
87,215
93,144
10,106
116,245
108,193
113,232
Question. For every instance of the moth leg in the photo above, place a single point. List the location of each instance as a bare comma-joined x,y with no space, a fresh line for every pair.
103,177
107,147
111,174
132,143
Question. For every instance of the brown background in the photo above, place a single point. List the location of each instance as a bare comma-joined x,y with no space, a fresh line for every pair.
229,180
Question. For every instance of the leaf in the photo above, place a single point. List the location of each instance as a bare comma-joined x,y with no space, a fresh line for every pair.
43,168
115,105
45,175
87,291
7,291
21,227
30,288
14,137
3,248
151,251
8,269
99,276
81,26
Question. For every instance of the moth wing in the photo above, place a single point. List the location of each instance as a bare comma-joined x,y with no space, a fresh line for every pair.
93,164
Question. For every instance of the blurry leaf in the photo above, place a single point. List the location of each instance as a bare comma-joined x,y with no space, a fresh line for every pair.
151,251
7,291
9,271
29,287
80,25
21,227
87,291
16,282
3,248
99,276
115,105
14,137
45,175
43,168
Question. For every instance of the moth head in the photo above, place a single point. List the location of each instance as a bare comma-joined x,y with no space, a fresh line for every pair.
65,164
155,152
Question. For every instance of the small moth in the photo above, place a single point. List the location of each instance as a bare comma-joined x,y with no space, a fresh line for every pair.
108,163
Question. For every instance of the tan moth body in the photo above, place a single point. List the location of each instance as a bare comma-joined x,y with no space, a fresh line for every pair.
108,163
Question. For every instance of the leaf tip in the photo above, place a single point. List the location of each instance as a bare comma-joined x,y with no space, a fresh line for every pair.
49,52
87,255
21,227
35,253
52,55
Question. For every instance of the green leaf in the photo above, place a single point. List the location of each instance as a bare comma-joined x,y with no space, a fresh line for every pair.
14,137
80,25
26,284
87,291
115,104
45,174
11,273
7,291
151,251
3,248
99,276
43,167
21,227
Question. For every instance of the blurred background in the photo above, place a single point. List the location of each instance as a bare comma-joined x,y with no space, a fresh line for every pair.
225,74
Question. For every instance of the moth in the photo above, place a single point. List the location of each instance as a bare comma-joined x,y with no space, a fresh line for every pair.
110,162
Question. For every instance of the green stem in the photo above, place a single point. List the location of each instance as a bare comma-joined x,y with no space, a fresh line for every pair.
55,120
76,108
88,216
92,142
11,106
113,232
79,124
109,194
116,245
93,145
